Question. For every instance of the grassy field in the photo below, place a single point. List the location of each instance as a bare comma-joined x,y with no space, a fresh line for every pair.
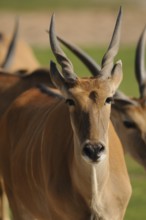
136,209
61,4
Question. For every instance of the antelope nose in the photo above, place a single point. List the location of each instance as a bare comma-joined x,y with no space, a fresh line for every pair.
93,151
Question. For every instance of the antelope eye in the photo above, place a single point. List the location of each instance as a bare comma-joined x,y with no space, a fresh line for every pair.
129,124
70,102
109,100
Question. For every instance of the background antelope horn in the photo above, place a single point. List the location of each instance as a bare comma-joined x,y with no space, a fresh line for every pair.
140,71
11,49
91,65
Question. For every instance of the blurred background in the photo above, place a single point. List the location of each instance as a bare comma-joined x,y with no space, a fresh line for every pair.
88,24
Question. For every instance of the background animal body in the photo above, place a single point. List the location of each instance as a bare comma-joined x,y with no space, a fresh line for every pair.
12,85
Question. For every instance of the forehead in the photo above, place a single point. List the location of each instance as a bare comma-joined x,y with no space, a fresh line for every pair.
98,86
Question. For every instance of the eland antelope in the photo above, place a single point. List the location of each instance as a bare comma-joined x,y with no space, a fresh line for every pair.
128,114
62,159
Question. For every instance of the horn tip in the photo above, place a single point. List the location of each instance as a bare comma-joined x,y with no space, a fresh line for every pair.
16,24
52,22
53,17
120,12
120,8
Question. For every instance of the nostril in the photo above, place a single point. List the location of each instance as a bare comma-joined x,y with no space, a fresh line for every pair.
93,151
88,150
100,148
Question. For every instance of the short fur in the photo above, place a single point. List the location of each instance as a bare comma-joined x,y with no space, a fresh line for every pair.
42,176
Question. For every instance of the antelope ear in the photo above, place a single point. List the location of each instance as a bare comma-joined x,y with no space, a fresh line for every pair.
117,74
56,77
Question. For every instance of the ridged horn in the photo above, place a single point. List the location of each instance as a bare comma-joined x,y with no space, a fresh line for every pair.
108,59
11,49
140,70
91,65
67,67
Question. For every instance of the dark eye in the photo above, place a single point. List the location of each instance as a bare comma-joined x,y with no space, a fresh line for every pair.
109,100
129,124
70,102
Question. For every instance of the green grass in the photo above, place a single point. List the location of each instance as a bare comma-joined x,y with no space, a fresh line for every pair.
136,209
45,4
28,5
137,206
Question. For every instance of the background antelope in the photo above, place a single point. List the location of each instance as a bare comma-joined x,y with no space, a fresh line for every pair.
129,114
69,161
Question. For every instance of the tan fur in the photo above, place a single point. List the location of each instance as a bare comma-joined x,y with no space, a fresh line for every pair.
12,85
45,176
133,139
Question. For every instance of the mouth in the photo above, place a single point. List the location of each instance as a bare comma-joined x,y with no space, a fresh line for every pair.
95,161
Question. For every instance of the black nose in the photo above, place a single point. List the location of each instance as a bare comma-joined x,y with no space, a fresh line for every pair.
93,151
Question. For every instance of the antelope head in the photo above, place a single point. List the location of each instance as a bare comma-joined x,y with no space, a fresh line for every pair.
88,99
129,114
